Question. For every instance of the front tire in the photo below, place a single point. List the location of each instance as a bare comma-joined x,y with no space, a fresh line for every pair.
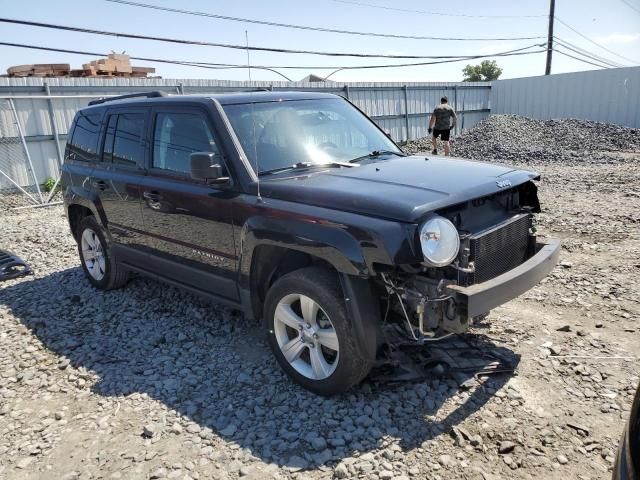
97,258
310,333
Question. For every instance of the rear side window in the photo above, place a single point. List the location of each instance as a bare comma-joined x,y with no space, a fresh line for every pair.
84,140
177,136
128,145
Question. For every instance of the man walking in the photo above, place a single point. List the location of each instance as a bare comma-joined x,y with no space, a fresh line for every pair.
443,119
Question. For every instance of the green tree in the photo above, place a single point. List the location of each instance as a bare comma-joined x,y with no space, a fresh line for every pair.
486,71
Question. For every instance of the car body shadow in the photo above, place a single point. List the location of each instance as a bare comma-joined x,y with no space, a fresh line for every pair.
209,365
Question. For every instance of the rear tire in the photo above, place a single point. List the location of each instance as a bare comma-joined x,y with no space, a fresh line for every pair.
310,333
97,257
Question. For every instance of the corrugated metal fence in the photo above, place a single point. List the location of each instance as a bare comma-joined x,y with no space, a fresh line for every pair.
44,109
611,95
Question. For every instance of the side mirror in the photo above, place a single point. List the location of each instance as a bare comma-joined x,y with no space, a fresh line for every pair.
208,167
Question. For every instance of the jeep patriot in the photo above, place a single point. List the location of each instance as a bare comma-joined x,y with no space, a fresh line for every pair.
299,210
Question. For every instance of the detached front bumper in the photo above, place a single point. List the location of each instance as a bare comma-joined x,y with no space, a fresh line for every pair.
482,297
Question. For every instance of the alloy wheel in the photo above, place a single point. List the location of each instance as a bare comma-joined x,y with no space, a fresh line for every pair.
93,254
306,336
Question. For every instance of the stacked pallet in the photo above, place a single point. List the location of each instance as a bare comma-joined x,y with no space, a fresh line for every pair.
40,70
115,65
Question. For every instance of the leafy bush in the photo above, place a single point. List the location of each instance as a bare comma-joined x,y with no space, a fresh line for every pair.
48,184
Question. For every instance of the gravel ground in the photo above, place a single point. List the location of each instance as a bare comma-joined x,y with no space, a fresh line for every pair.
150,382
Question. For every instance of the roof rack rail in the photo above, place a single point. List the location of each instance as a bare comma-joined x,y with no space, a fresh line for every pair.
153,94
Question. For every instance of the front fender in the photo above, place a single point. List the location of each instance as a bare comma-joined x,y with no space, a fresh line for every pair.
327,240
354,245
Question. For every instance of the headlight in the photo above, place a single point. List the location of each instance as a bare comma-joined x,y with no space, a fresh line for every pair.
439,241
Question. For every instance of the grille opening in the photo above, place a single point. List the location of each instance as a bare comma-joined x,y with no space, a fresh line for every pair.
500,249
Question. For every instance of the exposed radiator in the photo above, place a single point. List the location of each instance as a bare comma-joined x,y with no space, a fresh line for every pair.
500,248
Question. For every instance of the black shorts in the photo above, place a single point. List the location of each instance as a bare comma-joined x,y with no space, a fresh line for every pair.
444,134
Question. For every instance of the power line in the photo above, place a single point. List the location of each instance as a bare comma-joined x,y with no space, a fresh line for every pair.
595,43
440,61
425,12
582,57
578,59
508,53
587,53
584,53
305,27
209,44
219,66
503,54
630,5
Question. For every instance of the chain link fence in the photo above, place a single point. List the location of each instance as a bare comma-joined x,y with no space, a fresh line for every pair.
18,181
33,133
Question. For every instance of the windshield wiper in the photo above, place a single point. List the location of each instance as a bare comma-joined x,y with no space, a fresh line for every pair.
378,153
302,165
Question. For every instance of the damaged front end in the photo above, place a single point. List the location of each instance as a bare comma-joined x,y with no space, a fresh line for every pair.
491,257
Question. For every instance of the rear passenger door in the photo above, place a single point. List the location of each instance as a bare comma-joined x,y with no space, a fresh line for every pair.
117,177
189,222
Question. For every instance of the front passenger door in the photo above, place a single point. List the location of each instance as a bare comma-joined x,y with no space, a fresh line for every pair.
189,223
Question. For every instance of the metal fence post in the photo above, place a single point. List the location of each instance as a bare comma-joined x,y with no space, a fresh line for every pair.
455,106
24,145
180,88
56,139
406,110
54,126
346,91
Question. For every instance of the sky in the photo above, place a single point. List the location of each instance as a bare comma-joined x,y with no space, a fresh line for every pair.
614,24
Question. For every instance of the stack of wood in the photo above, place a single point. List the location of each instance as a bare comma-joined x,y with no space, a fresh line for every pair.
40,70
115,65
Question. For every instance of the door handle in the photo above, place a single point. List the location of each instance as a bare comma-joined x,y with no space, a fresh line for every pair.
153,196
100,185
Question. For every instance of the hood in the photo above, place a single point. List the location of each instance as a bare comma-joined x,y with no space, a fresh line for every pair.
400,188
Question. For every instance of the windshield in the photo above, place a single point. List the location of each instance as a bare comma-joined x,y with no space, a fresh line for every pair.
282,134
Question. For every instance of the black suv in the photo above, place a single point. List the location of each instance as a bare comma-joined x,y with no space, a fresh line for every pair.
298,209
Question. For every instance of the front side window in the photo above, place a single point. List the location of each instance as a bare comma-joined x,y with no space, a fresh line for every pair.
84,141
178,135
279,134
128,145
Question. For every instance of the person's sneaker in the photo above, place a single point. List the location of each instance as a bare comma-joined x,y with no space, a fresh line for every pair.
435,151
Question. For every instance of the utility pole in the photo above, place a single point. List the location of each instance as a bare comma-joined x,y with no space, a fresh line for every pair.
552,7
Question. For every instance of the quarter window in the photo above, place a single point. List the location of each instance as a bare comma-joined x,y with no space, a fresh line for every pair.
177,136
84,141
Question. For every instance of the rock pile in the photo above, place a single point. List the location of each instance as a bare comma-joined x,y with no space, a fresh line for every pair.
515,139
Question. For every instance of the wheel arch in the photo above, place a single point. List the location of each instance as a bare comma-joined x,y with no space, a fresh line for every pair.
268,254
270,262
76,213
271,247
80,203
